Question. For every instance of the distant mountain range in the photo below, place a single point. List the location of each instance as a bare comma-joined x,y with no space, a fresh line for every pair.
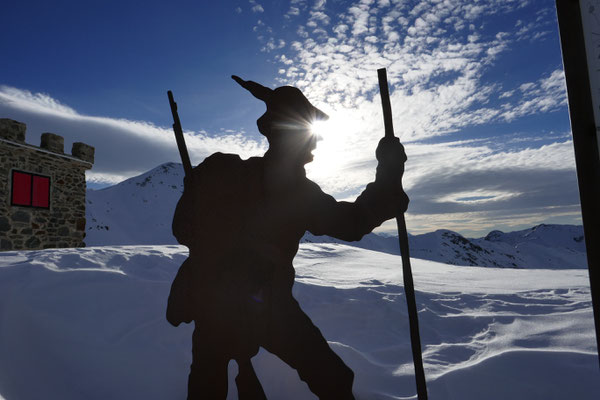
140,210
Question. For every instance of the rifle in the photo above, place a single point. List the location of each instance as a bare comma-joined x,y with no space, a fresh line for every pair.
409,287
185,157
247,382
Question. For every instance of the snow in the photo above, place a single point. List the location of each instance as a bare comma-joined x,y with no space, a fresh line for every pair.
89,324
140,210
542,246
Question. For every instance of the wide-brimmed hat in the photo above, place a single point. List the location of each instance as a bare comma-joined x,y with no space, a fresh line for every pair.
285,104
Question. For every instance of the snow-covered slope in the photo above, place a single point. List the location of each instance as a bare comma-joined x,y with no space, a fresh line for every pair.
371,241
543,246
140,210
89,324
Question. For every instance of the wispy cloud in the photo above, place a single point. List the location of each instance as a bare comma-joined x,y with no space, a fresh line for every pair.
256,7
34,102
442,59
295,7
124,148
436,67
545,95
273,44
437,55
536,29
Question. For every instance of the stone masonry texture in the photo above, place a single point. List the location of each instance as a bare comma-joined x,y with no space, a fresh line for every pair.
63,224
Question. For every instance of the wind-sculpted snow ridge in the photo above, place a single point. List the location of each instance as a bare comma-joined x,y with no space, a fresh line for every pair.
89,324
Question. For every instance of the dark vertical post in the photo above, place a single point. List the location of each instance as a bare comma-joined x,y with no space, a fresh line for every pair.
585,139
185,158
409,288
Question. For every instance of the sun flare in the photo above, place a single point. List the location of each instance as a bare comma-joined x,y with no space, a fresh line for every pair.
329,154
320,128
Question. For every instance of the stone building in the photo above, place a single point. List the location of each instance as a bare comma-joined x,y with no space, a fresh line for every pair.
42,190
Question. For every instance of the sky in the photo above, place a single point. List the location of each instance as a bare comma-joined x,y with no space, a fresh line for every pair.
477,91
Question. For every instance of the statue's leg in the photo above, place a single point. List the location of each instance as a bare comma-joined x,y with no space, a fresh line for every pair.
247,383
299,343
208,374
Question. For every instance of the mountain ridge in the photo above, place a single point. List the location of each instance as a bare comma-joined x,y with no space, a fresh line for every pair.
118,215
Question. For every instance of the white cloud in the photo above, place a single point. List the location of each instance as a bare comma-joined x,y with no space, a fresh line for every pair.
546,95
273,44
319,4
124,148
318,18
293,11
525,87
358,17
296,7
435,68
434,71
35,102
531,183
258,8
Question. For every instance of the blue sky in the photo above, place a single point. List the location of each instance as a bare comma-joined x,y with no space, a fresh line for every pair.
477,92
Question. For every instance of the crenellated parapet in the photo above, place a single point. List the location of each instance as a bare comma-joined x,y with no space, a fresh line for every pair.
42,190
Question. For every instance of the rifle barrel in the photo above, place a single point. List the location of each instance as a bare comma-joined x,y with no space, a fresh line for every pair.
185,157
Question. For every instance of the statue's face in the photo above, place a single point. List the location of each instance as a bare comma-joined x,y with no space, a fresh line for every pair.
294,138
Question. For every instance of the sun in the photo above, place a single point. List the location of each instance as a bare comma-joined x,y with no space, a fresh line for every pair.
329,155
320,128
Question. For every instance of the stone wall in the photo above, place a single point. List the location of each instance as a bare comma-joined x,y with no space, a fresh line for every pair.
63,224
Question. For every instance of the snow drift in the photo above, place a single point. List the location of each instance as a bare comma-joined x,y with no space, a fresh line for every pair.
89,324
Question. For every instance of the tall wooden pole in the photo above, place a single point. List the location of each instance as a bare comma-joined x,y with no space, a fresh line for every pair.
409,288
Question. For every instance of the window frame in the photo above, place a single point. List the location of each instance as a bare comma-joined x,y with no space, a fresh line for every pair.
31,193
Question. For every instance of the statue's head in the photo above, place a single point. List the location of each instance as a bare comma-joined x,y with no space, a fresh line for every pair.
287,122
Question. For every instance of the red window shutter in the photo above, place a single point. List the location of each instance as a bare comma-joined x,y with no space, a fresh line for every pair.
41,191
21,189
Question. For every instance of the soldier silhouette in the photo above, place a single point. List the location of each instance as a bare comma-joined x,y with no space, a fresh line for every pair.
242,221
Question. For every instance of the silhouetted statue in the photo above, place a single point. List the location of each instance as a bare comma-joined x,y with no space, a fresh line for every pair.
242,221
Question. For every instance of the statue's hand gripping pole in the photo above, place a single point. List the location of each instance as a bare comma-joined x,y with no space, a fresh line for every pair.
185,158
403,239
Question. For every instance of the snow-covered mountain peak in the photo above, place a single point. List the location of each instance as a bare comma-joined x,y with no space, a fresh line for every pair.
570,236
494,236
168,174
138,210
